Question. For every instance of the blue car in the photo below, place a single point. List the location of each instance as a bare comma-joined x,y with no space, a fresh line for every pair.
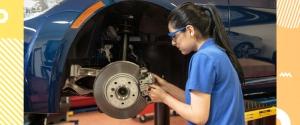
68,41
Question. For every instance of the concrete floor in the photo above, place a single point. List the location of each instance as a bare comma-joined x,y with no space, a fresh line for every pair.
96,118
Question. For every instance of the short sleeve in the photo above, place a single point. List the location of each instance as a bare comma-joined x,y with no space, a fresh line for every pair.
202,74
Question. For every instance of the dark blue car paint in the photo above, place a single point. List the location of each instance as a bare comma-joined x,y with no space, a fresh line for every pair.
39,88
250,17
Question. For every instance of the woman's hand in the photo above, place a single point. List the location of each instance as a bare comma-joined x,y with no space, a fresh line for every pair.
157,94
159,81
169,88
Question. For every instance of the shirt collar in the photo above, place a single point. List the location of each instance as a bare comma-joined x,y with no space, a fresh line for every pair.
207,42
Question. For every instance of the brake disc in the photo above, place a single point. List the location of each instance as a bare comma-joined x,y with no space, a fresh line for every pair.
116,90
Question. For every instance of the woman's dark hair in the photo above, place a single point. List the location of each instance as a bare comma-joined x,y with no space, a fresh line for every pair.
206,20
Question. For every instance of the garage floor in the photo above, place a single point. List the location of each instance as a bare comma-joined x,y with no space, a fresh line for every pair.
96,118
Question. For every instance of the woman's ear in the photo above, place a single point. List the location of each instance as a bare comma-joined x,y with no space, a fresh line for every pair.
191,30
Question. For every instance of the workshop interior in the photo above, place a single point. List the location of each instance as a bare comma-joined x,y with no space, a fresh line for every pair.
90,62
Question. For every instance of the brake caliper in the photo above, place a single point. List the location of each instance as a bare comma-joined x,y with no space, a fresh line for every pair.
145,80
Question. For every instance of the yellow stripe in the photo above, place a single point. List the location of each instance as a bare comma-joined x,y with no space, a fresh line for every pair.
12,97
19,52
11,70
288,13
11,83
9,51
260,113
12,100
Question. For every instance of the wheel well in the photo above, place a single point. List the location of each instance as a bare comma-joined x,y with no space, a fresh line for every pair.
147,34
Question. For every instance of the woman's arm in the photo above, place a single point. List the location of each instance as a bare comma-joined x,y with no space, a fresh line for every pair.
174,91
170,88
197,112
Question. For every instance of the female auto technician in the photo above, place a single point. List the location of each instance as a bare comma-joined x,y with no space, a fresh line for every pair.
213,94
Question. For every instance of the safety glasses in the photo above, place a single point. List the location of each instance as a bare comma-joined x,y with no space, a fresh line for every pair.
172,35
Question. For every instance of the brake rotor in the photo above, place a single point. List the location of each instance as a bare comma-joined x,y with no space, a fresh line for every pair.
116,90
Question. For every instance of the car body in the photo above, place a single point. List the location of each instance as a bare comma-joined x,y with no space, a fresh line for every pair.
69,33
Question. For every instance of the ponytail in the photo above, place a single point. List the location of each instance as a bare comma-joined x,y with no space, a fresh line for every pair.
217,31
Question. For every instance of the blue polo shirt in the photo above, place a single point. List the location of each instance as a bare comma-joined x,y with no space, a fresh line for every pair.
211,72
